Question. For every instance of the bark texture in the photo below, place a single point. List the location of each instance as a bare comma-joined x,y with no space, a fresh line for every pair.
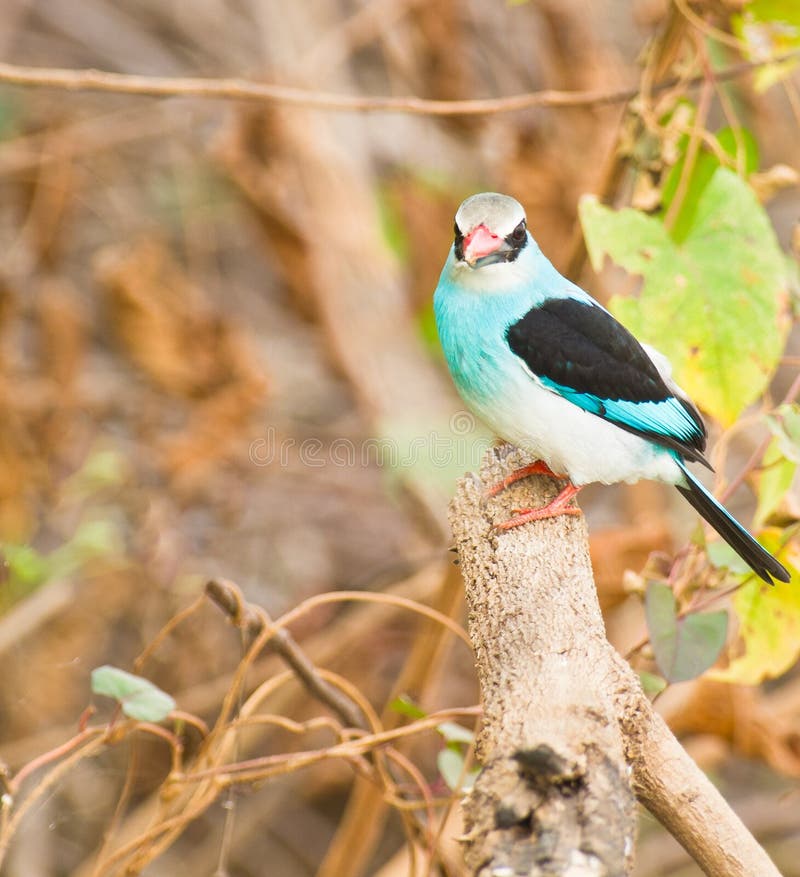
568,739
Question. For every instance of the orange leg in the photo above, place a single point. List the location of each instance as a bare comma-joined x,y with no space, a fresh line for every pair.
537,468
558,506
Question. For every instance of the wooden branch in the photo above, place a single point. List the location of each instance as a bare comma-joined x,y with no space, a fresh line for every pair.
683,799
252,620
554,792
287,95
568,735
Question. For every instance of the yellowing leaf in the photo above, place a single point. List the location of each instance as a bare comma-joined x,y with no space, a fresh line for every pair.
777,474
715,303
784,11
769,622
769,29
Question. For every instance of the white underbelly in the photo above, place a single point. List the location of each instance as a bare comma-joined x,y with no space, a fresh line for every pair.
571,440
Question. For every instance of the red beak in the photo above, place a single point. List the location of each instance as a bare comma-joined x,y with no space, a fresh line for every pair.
480,242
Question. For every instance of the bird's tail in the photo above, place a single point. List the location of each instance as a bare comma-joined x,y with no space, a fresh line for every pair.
753,554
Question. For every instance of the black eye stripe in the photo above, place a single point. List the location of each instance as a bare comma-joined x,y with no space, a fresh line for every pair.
515,241
458,242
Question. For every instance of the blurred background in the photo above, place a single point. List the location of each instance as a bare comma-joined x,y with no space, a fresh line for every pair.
218,358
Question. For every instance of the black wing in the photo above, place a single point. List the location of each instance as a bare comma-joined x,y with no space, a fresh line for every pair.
580,351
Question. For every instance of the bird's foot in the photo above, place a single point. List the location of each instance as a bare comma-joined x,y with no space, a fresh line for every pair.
537,468
555,508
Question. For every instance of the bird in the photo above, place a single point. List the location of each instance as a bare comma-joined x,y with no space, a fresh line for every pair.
551,371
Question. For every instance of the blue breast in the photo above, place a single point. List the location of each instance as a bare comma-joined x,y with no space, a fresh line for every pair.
473,316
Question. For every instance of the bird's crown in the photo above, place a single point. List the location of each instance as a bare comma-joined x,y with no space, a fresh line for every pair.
501,214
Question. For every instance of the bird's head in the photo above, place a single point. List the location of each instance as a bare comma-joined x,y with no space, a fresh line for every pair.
490,228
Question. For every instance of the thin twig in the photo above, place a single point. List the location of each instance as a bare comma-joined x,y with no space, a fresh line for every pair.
120,807
707,29
258,768
228,597
48,781
660,58
369,597
793,98
142,842
166,631
290,725
189,719
52,755
244,89
703,107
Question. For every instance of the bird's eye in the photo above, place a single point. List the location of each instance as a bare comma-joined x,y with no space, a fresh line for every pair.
518,235
457,232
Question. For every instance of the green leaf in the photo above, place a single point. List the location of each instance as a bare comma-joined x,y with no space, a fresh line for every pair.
27,568
451,767
684,647
406,707
139,698
454,733
713,304
732,141
92,540
700,176
652,684
722,555
780,461
777,475
104,467
769,621
742,148
785,426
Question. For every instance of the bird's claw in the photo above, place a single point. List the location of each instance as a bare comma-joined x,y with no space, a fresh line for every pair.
555,508
537,468
526,516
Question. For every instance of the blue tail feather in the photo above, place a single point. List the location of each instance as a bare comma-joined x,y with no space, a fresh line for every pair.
754,555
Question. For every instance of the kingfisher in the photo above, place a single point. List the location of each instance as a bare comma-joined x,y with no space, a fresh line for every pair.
551,371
